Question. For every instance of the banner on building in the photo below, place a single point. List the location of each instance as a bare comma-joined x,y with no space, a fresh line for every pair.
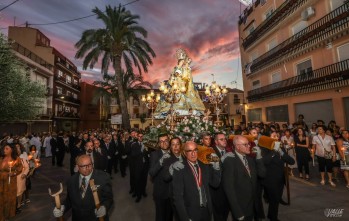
116,119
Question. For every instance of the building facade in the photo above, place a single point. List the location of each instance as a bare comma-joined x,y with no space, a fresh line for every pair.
294,55
60,75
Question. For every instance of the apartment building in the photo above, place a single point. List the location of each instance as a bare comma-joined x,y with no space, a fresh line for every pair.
294,55
62,78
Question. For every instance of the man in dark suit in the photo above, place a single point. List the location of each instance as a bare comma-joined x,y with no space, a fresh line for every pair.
219,200
131,161
239,178
191,186
122,152
274,181
110,149
79,194
139,156
99,161
161,198
58,149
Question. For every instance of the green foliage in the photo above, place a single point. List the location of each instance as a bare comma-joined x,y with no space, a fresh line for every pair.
120,43
21,98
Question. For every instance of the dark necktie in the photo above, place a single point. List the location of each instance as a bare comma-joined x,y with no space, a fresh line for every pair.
246,165
83,187
222,153
107,146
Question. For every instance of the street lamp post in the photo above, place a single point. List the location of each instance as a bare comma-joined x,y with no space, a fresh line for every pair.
151,102
172,92
215,94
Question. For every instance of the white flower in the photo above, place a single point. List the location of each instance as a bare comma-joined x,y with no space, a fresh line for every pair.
190,122
158,126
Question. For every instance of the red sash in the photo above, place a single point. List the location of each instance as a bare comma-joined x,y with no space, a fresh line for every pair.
197,175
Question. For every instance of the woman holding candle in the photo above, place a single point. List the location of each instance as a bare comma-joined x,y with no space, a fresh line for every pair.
302,152
21,179
343,146
10,167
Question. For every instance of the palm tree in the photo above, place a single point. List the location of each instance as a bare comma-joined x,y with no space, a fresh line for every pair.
120,43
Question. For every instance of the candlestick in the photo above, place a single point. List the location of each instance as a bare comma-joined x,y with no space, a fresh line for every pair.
10,165
343,149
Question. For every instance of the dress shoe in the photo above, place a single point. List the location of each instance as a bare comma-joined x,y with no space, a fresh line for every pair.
138,199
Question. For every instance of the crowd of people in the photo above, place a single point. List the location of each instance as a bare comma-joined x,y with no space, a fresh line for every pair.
223,174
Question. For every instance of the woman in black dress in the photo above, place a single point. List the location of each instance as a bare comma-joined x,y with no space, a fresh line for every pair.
302,152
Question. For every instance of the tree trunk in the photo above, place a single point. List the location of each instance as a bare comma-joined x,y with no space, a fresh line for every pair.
123,105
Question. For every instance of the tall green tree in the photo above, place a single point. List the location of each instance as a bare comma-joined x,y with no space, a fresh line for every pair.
21,99
121,44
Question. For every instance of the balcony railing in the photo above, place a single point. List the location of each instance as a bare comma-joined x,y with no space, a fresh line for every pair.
63,81
70,68
29,54
68,98
284,10
320,30
332,76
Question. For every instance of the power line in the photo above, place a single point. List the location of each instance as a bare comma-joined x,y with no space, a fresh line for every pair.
8,5
76,19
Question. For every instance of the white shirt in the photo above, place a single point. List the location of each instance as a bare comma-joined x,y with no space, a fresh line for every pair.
86,177
322,143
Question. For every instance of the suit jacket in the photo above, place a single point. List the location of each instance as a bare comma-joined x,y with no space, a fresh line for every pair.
57,145
185,191
156,171
166,176
274,163
84,208
239,186
218,196
100,159
139,158
110,149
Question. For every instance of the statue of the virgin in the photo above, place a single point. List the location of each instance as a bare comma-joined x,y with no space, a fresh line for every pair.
190,101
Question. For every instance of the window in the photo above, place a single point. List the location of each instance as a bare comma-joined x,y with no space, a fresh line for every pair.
299,27
276,77
67,65
60,73
304,67
256,84
75,81
268,13
68,93
58,59
59,90
277,113
68,79
343,52
272,44
60,107
254,114
263,2
75,96
67,109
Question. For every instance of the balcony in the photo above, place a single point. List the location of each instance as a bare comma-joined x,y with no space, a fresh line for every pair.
29,54
283,11
63,97
63,81
49,91
67,115
320,31
70,68
332,76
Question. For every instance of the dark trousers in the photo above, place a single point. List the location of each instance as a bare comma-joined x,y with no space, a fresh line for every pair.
54,158
202,215
116,163
132,175
110,165
325,164
60,158
258,205
274,194
163,209
123,165
220,212
303,161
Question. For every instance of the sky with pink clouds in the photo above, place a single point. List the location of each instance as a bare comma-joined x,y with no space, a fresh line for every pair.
207,29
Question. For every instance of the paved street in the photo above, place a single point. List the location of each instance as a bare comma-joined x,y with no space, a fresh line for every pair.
308,199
